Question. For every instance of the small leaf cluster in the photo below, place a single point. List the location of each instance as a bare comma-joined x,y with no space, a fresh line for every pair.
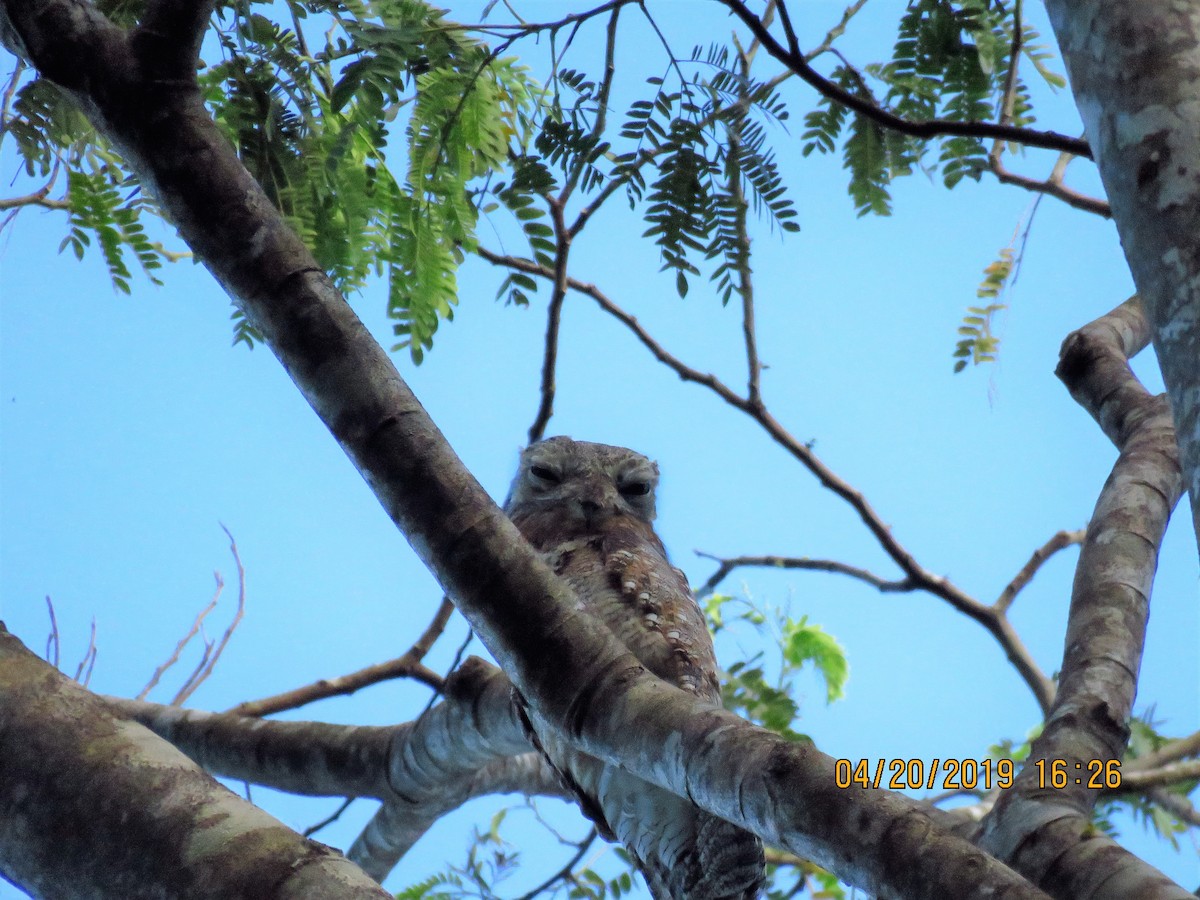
977,342
762,692
104,204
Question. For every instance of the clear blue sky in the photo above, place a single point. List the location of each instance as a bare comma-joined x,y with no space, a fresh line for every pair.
131,428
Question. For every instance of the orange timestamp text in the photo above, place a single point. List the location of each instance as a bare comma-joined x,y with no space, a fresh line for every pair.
972,774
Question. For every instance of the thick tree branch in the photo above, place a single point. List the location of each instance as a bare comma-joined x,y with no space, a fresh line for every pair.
1133,71
1043,828
170,33
399,823
928,129
156,824
475,726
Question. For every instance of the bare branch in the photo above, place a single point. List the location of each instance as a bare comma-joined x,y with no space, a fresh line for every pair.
83,673
745,278
562,249
790,562
1163,776
331,818
566,871
1052,187
406,666
927,129
52,642
1183,748
1060,541
40,198
183,641
197,678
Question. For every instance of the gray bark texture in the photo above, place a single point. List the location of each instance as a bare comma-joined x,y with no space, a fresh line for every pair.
1135,72
93,807
1044,831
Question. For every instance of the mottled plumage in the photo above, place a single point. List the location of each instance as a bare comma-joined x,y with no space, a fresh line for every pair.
589,509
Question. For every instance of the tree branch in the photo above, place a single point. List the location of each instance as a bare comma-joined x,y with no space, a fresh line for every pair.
1182,748
790,562
398,823
1046,832
927,129
156,825
406,666
169,35
1060,541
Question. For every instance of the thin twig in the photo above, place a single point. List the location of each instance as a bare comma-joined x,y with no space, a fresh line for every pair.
183,641
1060,541
602,94
927,129
199,677
562,250
741,209
89,659
1051,187
52,642
406,666
329,820
566,871
726,566
453,667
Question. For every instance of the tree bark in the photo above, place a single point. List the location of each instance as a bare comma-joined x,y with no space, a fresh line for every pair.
1135,72
95,807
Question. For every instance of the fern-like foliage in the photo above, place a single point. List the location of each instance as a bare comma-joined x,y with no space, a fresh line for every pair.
977,341
311,123
950,61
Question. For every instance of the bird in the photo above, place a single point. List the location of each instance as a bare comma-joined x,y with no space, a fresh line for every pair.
589,510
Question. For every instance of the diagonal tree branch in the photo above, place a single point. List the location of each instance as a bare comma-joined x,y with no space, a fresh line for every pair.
1060,541
156,824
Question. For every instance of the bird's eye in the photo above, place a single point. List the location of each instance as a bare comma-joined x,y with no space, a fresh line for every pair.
545,474
635,489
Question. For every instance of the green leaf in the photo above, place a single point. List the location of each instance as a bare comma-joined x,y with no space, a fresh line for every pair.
803,643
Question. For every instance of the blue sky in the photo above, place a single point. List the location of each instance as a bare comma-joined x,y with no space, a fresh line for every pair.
131,428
